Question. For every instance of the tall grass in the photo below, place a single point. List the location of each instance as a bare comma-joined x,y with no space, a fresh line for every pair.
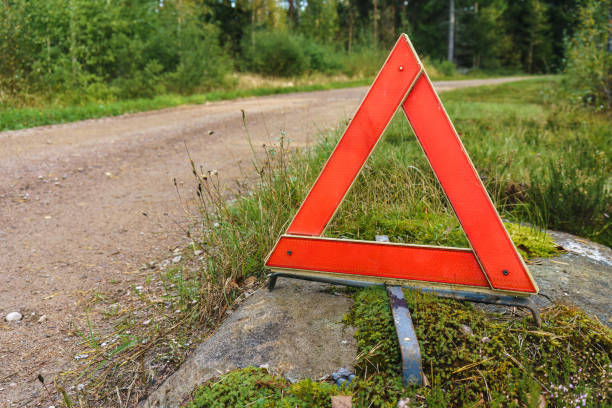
545,161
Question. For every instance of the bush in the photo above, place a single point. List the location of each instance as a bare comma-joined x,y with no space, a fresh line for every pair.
321,58
447,68
203,64
439,68
589,62
363,62
274,53
142,83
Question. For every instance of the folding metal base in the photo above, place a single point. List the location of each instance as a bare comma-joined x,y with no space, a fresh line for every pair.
409,345
524,302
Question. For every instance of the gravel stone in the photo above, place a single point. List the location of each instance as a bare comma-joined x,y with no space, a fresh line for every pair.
13,317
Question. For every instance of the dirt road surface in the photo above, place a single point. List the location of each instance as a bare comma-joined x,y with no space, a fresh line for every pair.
83,205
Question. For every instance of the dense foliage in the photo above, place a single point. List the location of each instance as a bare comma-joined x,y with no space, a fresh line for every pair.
106,49
589,56
81,51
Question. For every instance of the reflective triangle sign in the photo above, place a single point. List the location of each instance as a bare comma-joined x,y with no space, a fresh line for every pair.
491,265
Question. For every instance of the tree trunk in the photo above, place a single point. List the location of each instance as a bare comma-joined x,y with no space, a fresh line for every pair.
530,57
375,2
610,31
451,31
393,26
73,43
351,22
292,11
252,23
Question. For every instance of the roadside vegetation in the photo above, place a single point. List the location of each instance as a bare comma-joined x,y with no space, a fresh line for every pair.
70,60
516,134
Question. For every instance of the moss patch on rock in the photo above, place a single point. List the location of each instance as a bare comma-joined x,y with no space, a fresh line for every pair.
255,387
470,358
530,242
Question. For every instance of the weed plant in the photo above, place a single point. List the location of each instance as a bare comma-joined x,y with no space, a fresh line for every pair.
255,386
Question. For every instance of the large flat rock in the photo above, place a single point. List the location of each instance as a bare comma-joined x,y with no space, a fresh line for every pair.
295,330
582,276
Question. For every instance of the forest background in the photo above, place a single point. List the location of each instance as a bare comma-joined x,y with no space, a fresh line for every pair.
76,52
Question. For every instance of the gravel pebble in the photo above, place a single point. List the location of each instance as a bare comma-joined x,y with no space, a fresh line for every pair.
13,317
466,330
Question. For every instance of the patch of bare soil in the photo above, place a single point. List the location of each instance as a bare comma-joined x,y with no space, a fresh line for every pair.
83,205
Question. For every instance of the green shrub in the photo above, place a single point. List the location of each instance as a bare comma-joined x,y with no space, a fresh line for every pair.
145,83
203,64
363,62
446,68
439,68
589,63
321,58
275,53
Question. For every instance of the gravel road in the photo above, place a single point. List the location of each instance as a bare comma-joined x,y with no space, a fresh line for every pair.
83,205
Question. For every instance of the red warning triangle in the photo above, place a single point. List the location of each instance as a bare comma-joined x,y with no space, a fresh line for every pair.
493,264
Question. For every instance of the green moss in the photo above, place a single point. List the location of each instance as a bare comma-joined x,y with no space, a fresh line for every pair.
506,362
530,242
255,387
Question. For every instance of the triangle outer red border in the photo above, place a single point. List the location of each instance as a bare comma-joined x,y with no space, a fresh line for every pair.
454,266
377,109
450,162
493,263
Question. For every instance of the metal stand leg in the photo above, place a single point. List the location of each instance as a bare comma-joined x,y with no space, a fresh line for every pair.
344,282
505,300
409,345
